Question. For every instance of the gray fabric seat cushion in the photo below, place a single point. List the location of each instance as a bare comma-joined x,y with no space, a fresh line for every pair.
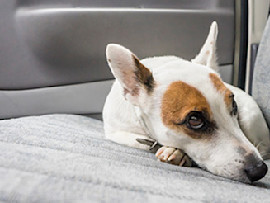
261,77
66,158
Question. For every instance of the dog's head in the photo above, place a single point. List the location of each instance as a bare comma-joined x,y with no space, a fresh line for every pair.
187,106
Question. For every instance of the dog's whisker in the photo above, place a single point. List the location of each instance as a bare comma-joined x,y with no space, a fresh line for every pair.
258,145
264,154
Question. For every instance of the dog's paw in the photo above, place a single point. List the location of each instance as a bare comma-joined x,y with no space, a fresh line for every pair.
173,156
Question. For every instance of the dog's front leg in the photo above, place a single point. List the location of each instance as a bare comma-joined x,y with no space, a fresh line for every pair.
168,154
174,156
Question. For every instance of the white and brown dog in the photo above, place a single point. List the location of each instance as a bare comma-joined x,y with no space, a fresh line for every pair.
185,105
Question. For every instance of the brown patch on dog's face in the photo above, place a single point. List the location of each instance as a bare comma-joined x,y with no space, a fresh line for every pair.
143,75
219,85
179,102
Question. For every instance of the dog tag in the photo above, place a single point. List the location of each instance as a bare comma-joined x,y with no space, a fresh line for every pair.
153,144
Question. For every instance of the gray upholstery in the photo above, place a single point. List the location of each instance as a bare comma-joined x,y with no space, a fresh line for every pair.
64,158
261,78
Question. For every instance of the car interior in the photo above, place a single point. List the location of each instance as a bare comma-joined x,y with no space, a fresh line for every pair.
54,80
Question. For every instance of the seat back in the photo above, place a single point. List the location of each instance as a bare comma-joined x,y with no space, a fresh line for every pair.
261,74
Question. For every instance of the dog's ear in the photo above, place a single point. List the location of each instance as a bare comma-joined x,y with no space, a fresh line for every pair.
133,76
207,55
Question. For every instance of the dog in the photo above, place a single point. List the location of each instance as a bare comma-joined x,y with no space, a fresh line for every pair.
187,108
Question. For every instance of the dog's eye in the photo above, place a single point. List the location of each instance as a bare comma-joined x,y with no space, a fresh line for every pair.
195,122
235,108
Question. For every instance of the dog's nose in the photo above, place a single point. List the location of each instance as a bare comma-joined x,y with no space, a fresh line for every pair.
256,172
